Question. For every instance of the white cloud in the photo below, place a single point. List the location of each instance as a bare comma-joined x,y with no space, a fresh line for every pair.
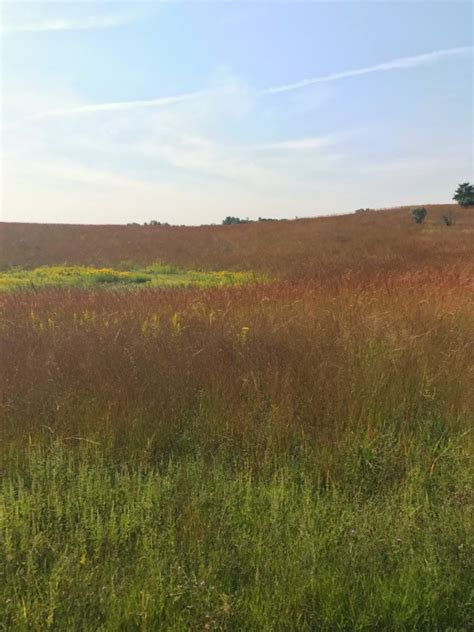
307,144
120,105
453,160
68,24
193,162
191,158
394,64
234,91
202,155
65,191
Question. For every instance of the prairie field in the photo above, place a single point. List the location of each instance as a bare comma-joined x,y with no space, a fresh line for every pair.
255,427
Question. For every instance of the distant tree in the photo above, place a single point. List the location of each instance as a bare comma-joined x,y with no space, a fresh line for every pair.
363,210
155,222
464,194
234,220
448,218
419,213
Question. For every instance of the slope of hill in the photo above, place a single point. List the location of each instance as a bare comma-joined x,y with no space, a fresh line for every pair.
306,248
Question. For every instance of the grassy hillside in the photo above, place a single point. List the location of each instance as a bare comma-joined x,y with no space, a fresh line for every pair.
288,455
308,248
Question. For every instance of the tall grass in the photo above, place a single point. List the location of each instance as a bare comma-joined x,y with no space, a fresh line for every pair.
237,366
192,545
292,455
322,248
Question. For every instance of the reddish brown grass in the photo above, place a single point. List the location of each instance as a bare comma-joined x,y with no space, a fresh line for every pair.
181,365
321,248
372,327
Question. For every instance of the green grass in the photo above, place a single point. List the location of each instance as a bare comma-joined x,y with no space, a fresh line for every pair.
92,543
156,275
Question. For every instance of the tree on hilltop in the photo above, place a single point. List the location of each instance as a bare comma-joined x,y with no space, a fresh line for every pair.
234,220
464,194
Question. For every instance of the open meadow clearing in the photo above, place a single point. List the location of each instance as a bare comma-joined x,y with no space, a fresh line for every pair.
283,446
236,316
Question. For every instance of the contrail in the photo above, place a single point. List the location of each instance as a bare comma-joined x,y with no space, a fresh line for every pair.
121,105
400,62
93,22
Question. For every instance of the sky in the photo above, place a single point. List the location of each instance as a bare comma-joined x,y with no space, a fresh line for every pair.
186,112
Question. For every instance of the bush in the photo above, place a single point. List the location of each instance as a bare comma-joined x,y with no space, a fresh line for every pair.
419,213
449,218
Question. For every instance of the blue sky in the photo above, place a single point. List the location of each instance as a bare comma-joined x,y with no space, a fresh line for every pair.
116,112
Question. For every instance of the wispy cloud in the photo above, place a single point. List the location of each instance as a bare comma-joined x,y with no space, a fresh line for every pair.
77,24
311,143
306,144
394,64
121,105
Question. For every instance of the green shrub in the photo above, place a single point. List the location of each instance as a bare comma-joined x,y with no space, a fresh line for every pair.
449,219
419,213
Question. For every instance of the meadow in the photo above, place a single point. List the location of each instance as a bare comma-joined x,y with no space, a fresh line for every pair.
155,275
289,449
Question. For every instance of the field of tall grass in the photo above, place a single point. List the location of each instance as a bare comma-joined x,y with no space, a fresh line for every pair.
293,454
